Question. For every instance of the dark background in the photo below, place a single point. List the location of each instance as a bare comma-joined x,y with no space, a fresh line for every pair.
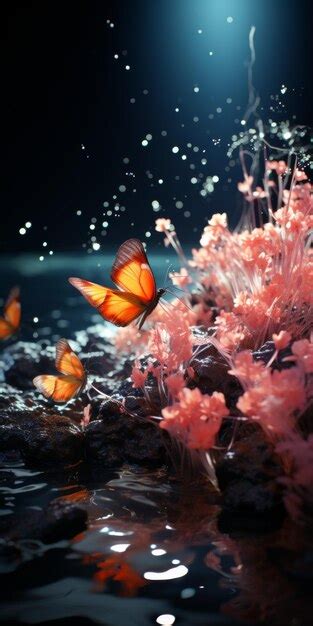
62,89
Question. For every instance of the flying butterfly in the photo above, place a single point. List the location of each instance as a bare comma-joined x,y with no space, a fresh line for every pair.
136,295
10,322
71,380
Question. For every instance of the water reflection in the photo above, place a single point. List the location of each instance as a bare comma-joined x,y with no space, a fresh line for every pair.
155,542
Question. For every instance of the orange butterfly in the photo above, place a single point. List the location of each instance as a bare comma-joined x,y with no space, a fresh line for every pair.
71,380
10,322
136,296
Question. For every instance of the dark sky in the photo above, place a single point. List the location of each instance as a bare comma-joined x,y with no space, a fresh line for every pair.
62,89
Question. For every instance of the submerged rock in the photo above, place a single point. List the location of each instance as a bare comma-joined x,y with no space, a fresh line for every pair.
22,361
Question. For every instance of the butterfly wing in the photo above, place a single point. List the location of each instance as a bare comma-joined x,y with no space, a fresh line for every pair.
131,271
67,362
6,329
10,322
118,307
58,388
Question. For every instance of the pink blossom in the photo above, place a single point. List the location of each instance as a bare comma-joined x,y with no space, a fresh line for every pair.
175,383
138,376
196,418
280,167
303,351
181,278
281,340
162,225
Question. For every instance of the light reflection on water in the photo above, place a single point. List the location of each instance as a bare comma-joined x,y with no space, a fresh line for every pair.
144,558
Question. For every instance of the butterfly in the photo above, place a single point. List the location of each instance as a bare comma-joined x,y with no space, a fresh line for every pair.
10,322
69,382
137,294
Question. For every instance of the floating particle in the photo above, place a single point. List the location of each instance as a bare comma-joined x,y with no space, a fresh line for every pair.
78,212
243,122
149,137
187,214
156,205
126,160
175,149
132,100
196,89
179,204
196,119
51,252
163,133
215,179
145,92
160,181
144,142
35,320
147,233
189,592
195,149
22,231
41,258
184,157
116,56
122,188
93,220
193,180
219,110
28,224
176,110
199,31
203,161
44,243
96,246
211,53
92,227
230,19
127,67
211,116
111,25
166,619
283,89
228,100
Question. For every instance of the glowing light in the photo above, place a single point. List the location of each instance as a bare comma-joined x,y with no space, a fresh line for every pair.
120,547
35,320
189,592
28,224
155,205
170,574
243,122
122,188
175,149
230,19
22,231
96,246
193,180
215,179
158,551
160,181
144,142
196,89
127,67
148,234
165,620
92,227
149,136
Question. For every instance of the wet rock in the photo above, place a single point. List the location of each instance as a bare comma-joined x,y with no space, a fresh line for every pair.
22,361
211,374
59,520
41,439
250,496
118,439
266,352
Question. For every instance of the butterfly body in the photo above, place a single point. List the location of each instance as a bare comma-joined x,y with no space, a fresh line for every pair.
10,322
71,380
136,295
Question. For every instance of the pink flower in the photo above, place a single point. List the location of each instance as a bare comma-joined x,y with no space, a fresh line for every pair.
162,225
175,383
86,416
281,340
303,351
196,418
181,278
218,219
138,376
280,167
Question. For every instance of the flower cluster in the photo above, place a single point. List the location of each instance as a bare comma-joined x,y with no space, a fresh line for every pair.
195,418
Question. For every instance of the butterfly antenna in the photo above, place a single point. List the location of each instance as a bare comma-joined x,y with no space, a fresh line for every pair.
166,275
180,299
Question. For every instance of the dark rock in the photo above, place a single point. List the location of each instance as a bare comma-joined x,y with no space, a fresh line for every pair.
211,374
59,520
266,352
41,439
119,439
22,361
